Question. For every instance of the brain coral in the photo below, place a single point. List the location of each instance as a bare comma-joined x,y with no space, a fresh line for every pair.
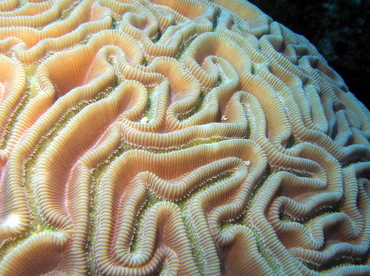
175,137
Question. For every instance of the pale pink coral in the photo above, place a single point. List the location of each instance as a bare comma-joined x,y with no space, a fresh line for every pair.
175,137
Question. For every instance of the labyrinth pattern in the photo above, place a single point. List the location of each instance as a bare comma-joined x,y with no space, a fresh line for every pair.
175,137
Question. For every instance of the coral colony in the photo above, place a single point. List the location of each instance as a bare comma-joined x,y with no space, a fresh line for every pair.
175,137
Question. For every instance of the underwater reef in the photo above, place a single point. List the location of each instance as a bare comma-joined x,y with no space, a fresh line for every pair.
176,137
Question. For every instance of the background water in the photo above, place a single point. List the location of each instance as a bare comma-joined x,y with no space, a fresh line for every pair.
340,30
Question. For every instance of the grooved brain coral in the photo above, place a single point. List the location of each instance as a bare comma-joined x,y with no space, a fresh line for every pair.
175,138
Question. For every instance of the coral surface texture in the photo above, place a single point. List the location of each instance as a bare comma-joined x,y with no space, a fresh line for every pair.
175,137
